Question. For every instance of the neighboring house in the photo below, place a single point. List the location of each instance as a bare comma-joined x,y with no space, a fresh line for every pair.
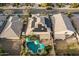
12,30
39,25
75,20
62,26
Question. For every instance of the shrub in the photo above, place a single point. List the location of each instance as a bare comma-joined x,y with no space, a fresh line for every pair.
2,51
48,48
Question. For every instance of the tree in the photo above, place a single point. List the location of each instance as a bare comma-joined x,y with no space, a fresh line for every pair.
48,48
50,4
60,5
69,14
74,5
43,4
46,5
16,4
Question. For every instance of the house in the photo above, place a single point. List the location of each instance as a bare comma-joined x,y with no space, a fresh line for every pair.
75,20
39,25
62,26
12,29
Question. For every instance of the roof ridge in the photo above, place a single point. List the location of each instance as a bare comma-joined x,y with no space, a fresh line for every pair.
10,19
8,26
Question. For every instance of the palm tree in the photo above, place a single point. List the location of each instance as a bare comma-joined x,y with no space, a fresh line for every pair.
48,48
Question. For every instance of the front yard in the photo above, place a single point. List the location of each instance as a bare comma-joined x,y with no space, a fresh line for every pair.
11,47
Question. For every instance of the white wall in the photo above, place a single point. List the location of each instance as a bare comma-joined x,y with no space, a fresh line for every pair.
59,36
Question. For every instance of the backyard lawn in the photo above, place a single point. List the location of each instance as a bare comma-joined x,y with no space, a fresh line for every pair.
64,48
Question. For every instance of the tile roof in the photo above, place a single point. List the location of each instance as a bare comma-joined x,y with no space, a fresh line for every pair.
62,23
12,28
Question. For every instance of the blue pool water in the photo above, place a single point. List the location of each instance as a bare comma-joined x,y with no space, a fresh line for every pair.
32,46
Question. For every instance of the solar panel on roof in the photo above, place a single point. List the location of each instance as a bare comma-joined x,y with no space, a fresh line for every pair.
40,28
33,23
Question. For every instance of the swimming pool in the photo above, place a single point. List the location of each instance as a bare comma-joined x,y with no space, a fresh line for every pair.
32,46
